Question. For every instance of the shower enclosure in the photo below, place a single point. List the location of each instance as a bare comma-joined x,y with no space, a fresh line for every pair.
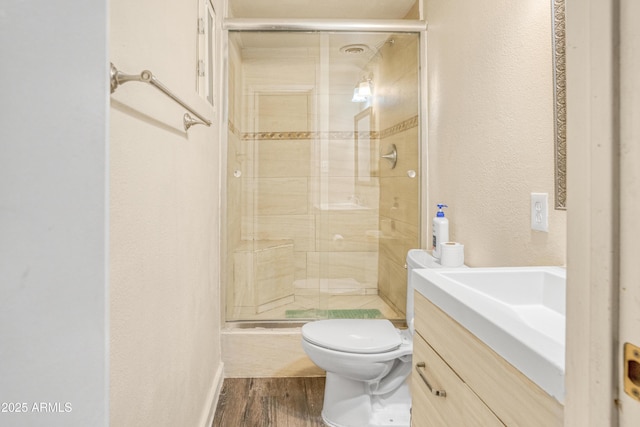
323,174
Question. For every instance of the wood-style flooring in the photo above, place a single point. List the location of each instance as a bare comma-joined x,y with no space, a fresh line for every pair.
270,402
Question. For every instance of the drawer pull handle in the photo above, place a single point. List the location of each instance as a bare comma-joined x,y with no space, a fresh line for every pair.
419,367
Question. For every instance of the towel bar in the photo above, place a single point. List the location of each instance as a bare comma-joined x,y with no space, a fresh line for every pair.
118,77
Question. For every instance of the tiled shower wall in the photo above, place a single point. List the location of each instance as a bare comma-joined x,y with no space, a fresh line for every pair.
397,95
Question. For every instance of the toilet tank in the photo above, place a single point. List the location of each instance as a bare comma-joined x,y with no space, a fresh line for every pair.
416,258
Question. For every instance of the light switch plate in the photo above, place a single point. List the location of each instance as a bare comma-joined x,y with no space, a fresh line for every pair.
540,212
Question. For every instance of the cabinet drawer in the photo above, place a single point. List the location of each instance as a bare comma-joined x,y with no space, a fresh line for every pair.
458,407
513,397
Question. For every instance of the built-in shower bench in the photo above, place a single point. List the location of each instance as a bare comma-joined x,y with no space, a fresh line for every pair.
263,274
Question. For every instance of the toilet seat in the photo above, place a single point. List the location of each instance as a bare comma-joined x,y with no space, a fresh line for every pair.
361,336
368,363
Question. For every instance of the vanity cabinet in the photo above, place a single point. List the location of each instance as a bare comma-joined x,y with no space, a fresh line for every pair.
480,387
440,397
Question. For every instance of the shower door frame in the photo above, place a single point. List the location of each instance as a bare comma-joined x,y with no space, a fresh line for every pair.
320,25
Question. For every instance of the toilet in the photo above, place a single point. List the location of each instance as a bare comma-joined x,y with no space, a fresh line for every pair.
368,362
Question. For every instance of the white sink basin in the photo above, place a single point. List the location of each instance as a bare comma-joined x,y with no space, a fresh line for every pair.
517,311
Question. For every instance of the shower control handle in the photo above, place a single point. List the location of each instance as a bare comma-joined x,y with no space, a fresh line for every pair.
419,368
392,156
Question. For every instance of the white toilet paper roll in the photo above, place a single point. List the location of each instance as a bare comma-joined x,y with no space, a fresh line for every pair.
451,254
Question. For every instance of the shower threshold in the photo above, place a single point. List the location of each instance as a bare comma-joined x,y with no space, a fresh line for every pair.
287,324
305,308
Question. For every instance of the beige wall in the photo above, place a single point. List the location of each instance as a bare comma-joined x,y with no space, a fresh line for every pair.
491,128
164,184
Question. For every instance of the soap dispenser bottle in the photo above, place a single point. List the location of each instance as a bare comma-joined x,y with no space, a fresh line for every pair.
440,230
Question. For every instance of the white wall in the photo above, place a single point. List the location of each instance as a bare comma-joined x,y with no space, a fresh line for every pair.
53,212
164,234
490,128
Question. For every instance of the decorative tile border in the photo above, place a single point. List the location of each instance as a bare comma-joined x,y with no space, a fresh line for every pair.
233,129
400,127
332,135
276,136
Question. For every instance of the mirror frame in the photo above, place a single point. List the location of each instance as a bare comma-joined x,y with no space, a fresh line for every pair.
560,102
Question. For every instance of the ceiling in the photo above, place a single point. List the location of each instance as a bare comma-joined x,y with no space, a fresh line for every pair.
317,9
288,40
321,9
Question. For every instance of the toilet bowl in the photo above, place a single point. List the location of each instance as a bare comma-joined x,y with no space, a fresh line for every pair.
368,363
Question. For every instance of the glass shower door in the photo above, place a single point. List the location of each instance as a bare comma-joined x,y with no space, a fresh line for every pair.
317,223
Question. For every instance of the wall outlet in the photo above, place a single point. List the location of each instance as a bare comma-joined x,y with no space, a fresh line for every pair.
540,212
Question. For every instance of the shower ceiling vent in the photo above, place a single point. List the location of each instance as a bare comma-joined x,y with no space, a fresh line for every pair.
355,49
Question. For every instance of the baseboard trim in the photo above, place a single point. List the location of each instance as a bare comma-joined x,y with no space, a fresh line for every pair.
213,395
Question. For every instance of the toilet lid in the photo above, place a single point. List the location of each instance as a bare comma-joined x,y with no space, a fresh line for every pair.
353,335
